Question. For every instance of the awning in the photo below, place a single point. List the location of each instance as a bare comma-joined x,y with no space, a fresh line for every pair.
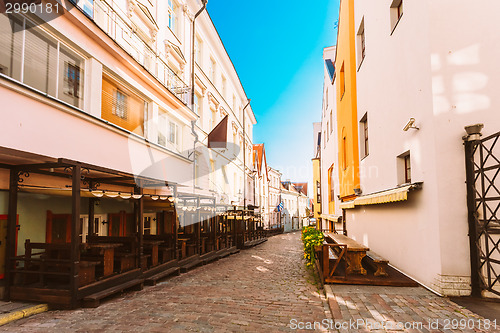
334,218
393,195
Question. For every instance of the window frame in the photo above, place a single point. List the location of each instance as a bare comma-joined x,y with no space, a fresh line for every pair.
407,168
59,76
122,114
396,13
364,137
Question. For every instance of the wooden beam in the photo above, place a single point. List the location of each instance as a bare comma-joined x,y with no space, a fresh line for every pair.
75,232
140,221
90,228
11,231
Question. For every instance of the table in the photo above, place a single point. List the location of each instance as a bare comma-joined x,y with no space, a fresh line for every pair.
153,246
183,246
107,251
354,255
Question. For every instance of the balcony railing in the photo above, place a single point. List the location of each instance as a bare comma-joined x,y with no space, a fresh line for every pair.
114,23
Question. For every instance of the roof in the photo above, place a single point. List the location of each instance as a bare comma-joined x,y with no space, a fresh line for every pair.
330,67
260,157
301,187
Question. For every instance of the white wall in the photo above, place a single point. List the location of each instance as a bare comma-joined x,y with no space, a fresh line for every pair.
439,67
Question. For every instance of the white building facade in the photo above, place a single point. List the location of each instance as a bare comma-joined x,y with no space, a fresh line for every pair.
421,77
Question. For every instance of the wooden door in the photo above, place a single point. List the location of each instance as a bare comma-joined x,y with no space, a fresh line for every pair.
58,228
121,224
115,226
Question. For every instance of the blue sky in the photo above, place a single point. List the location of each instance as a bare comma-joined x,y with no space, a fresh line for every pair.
277,49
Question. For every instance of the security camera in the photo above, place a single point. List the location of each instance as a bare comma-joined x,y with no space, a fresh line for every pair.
410,124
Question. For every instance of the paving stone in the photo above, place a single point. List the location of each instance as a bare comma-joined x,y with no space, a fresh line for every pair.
234,294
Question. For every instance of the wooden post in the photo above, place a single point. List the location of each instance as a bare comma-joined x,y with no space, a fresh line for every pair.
472,220
90,229
75,232
197,227
140,224
326,261
10,249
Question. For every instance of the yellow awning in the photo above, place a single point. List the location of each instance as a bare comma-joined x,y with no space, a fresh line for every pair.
347,204
393,195
329,217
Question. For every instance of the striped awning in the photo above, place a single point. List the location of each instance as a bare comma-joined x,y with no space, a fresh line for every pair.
330,217
347,204
393,195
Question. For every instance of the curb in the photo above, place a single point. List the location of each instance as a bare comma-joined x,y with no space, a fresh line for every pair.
24,313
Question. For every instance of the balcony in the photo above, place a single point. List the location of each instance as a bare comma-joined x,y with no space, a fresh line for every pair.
114,22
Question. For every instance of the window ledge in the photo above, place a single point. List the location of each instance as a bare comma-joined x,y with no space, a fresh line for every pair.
361,62
396,24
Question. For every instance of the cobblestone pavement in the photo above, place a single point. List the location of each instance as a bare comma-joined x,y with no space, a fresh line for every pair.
263,289
256,290
388,309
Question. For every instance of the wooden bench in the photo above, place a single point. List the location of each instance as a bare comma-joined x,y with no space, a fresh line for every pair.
92,301
189,263
124,261
86,274
151,281
355,252
377,263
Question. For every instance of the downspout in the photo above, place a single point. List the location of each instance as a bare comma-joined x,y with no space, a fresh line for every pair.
193,123
244,159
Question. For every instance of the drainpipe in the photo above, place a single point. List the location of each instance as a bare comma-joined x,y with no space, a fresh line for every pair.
193,123
244,159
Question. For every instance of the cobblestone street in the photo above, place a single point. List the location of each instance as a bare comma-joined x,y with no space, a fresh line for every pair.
263,289
256,290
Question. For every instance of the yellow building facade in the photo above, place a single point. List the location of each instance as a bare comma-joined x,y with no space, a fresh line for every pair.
317,189
345,74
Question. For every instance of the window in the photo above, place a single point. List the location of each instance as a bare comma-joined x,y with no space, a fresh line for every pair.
404,168
213,118
361,42
324,139
87,6
120,104
407,169
32,56
172,24
363,130
235,105
211,70
197,47
196,104
396,13
224,86
331,184
173,133
342,81
318,192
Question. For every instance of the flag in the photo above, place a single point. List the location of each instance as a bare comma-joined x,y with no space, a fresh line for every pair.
280,207
218,137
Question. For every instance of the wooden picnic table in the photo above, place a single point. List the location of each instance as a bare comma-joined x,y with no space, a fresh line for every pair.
183,242
354,255
106,251
152,245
